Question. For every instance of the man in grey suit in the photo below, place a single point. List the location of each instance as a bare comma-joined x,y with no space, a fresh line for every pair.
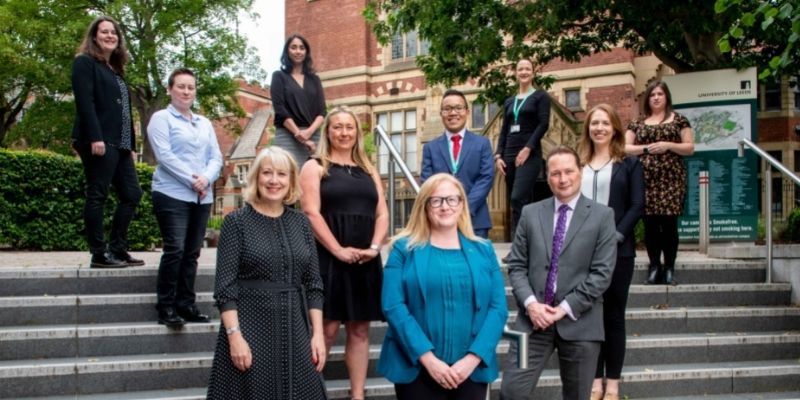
561,262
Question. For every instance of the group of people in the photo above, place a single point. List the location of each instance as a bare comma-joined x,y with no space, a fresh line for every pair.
303,256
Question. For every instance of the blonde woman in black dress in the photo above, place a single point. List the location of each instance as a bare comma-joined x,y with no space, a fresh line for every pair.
343,198
269,292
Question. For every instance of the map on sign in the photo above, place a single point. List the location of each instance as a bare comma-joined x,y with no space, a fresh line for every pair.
719,127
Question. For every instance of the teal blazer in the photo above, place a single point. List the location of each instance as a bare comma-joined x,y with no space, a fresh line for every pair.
403,303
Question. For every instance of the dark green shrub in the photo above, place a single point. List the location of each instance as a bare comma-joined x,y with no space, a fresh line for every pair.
792,231
42,198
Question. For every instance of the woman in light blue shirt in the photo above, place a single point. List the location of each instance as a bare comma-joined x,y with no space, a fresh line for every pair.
444,299
189,161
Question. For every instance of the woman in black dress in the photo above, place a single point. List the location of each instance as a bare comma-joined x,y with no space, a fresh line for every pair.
526,118
298,100
269,292
104,138
343,198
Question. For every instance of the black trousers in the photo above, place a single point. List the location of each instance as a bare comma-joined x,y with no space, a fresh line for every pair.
183,228
424,387
520,182
661,236
615,299
114,168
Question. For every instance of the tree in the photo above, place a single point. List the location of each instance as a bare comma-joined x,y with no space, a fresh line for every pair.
197,34
47,124
779,21
475,39
38,39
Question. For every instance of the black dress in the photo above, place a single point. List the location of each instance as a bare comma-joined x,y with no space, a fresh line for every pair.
267,269
348,199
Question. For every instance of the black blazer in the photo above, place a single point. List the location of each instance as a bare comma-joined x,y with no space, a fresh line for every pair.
98,102
626,198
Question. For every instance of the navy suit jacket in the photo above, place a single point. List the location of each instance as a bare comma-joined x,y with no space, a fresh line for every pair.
626,198
403,301
475,171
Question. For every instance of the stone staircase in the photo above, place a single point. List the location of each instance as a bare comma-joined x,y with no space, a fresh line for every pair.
69,333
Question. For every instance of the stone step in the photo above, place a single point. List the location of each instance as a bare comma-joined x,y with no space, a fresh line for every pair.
35,281
125,307
189,373
707,295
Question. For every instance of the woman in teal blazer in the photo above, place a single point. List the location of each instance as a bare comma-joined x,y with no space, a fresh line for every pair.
444,299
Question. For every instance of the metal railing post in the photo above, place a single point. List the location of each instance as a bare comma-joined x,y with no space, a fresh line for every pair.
704,209
391,196
768,217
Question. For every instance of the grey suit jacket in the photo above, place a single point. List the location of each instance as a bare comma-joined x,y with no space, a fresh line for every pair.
585,265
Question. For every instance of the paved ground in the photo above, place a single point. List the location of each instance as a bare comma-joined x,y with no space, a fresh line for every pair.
72,259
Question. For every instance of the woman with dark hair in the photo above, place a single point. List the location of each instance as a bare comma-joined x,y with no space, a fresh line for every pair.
298,100
615,180
189,161
526,118
104,138
343,199
661,138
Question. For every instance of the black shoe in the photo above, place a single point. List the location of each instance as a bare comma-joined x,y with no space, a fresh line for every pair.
653,274
167,316
506,258
106,260
669,275
128,259
192,314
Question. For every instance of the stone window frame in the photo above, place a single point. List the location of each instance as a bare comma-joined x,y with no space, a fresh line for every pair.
407,136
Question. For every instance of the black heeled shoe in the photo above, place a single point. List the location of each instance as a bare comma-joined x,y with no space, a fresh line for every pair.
653,274
669,275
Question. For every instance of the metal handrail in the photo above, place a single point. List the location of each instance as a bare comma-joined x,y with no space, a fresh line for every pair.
768,192
395,158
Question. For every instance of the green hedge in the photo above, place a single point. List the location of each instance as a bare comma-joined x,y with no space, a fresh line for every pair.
792,232
42,198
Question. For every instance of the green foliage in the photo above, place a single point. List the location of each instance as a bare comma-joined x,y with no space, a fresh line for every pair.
773,29
46,125
481,38
638,232
42,199
792,230
215,222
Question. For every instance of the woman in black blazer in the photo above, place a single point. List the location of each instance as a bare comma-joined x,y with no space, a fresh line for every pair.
612,179
104,138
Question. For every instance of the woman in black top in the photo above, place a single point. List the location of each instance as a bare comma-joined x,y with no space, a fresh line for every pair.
104,138
298,101
526,118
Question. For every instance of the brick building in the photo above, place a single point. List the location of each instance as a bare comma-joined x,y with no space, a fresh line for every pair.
384,86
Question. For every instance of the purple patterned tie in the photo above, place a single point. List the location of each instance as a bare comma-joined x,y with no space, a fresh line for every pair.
558,241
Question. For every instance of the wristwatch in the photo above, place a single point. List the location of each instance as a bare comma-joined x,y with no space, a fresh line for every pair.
231,331
375,247
645,150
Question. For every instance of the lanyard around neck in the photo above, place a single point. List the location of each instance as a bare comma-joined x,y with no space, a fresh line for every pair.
518,107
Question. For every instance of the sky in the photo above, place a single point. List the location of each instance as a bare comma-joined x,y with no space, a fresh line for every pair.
266,33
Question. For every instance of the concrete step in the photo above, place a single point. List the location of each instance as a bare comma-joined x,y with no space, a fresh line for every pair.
170,372
706,295
35,281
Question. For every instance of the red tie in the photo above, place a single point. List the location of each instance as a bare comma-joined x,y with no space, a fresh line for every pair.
456,146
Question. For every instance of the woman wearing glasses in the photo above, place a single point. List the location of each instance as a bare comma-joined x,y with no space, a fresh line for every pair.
343,199
526,118
444,299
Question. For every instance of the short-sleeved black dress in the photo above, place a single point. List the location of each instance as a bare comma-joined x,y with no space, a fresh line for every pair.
267,270
348,199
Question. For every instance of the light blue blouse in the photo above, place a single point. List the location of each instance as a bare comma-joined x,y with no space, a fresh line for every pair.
183,148
449,288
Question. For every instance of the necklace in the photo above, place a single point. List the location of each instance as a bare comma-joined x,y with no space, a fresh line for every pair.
601,167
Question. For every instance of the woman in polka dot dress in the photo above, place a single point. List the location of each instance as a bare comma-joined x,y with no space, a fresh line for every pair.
269,292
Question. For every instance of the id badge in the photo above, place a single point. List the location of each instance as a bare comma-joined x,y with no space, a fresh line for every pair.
514,129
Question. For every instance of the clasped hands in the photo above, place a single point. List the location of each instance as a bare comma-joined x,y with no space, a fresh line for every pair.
352,255
449,376
200,185
304,136
543,315
658,147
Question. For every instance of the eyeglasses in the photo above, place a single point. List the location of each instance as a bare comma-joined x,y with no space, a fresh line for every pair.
452,201
448,109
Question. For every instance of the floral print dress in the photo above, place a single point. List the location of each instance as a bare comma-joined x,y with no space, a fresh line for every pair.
664,174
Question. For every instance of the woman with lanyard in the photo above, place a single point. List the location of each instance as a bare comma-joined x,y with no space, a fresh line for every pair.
526,118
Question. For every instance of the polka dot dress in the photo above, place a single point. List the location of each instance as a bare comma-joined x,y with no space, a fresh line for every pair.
273,322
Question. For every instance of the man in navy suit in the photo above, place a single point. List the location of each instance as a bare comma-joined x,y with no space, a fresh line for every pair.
465,155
